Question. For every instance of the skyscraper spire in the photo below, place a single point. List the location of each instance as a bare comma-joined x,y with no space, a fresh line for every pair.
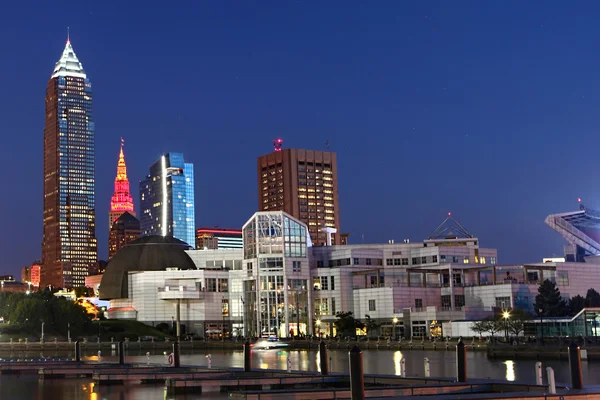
121,200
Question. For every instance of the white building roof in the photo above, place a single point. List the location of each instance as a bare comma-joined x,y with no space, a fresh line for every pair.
69,64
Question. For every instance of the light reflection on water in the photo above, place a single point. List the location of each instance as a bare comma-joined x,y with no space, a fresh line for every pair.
442,364
397,361
510,370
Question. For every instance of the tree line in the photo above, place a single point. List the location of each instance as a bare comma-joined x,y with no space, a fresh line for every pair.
26,313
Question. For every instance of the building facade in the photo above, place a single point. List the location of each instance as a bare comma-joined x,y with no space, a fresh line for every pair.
167,199
69,247
121,200
276,282
279,285
31,275
124,230
304,184
217,238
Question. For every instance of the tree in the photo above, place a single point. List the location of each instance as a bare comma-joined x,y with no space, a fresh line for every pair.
489,324
57,313
592,298
28,314
576,304
549,301
83,291
515,324
346,324
370,324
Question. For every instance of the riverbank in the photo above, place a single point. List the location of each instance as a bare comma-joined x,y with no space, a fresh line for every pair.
199,345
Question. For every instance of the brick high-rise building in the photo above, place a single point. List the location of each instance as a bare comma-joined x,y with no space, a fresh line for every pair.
69,247
304,184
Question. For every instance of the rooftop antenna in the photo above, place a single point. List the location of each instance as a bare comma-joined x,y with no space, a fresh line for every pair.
327,144
277,143
68,35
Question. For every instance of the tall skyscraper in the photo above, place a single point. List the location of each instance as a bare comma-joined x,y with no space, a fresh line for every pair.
69,247
303,183
124,230
121,200
167,199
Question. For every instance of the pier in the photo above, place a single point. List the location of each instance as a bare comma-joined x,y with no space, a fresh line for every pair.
269,384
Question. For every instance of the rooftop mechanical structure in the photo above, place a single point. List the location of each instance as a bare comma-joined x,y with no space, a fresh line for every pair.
581,229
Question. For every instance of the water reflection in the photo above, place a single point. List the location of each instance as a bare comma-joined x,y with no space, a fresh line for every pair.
510,370
397,361
442,364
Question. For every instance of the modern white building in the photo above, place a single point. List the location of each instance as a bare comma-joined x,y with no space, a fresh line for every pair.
277,275
279,285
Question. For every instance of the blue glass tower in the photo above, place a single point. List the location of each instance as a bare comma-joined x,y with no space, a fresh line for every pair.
167,199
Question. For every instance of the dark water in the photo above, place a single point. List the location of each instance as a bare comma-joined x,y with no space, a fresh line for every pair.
442,364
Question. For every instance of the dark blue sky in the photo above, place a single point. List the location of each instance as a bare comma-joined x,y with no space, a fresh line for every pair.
485,109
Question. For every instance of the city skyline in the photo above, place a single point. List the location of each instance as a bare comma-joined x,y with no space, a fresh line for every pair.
479,115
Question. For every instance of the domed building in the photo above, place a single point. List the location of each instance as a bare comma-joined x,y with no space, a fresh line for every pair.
149,253
151,278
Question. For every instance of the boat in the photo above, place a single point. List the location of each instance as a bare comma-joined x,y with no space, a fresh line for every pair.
272,342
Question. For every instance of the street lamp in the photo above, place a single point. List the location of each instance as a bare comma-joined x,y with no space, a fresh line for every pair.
394,322
542,323
506,316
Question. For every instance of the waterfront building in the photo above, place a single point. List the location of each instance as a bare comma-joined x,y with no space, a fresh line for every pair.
304,184
149,278
279,284
121,200
124,230
167,199
276,284
69,247
217,238
31,275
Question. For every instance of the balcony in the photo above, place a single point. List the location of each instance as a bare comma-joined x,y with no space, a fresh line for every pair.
173,292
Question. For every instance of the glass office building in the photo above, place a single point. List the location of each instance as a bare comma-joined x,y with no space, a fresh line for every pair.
69,247
167,199
276,290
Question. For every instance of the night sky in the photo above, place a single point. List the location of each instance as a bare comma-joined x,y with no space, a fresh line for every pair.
488,110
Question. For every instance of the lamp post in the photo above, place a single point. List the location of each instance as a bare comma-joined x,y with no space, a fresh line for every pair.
69,332
223,318
542,323
506,316
42,331
394,322
297,316
243,315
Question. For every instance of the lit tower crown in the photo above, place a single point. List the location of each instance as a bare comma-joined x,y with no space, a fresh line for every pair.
121,200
